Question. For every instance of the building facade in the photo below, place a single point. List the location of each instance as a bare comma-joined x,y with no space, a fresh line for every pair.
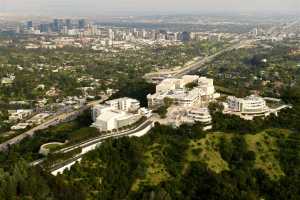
125,104
115,114
200,115
251,105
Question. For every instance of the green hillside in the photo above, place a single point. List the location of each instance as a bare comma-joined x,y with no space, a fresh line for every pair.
235,166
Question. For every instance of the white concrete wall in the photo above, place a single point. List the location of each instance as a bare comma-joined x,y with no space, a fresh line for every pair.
142,132
66,167
90,148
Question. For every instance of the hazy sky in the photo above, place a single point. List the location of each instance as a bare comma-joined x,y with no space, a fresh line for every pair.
113,7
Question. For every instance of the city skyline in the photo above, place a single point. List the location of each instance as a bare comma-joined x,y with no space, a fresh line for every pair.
142,7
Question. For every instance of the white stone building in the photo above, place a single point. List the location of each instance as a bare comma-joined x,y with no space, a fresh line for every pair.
251,105
125,104
175,89
115,114
248,107
114,119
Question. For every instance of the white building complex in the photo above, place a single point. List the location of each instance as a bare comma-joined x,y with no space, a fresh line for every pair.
247,107
191,95
115,114
176,89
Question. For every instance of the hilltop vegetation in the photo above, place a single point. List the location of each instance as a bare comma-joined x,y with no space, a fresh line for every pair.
183,163
187,163
238,159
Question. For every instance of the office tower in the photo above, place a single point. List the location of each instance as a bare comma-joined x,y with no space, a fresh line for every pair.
255,32
111,34
64,30
18,29
57,25
44,28
185,36
81,24
69,23
29,24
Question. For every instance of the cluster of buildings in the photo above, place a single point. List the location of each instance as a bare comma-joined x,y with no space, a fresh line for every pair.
57,26
22,115
79,34
23,118
290,30
16,115
97,44
80,27
188,91
190,96
118,113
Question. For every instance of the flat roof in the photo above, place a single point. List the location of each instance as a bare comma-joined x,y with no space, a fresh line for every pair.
110,114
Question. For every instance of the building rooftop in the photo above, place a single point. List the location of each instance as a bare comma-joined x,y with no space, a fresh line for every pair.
111,114
253,98
248,98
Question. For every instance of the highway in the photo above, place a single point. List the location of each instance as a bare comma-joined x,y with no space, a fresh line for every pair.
203,61
50,122
195,66
199,63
